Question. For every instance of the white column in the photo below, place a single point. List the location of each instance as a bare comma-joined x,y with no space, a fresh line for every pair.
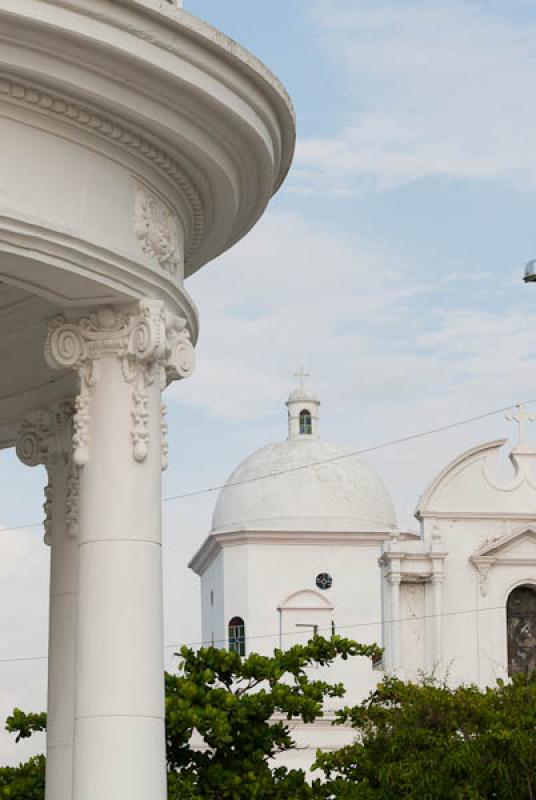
437,612
119,746
45,438
395,580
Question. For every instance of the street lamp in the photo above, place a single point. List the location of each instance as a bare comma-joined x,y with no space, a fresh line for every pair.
530,271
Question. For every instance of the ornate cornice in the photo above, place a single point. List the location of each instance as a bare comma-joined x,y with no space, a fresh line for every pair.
216,541
151,344
113,129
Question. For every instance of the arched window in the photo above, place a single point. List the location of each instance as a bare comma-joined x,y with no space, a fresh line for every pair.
521,628
306,422
237,636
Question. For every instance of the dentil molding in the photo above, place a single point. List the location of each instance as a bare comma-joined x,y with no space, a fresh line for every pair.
151,345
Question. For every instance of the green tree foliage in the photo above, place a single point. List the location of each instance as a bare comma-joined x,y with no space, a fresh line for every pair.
429,742
27,781
242,709
413,742
25,725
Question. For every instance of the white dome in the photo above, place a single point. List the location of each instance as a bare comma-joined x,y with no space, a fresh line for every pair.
341,496
302,393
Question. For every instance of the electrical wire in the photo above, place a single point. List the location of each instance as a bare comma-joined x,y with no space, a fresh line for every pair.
352,453
339,457
327,629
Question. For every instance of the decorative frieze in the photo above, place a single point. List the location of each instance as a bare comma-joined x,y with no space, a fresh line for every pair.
151,345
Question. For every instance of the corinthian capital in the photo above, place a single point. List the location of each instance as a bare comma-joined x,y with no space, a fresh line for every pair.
150,343
36,438
146,336
44,436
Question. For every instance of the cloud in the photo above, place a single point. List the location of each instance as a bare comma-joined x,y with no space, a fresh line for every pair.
24,627
431,89
291,292
391,351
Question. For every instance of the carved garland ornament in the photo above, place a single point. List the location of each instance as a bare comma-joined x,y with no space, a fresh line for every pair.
151,344
113,129
43,437
157,231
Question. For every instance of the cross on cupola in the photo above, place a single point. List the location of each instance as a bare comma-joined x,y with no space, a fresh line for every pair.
302,375
521,418
302,408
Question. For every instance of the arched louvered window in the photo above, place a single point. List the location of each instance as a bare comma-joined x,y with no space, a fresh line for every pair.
237,636
521,629
306,422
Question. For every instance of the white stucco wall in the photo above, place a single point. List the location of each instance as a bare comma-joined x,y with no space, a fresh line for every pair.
212,604
437,603
272,587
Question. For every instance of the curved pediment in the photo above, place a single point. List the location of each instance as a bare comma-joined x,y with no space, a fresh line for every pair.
306,599
472,484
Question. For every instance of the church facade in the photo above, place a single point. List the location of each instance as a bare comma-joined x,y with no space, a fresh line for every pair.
304,541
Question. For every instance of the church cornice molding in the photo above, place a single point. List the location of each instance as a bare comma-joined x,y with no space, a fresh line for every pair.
413,567
217,541
479,515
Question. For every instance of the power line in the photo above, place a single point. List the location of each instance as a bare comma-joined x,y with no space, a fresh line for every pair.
350,454
22,527
341,456
327,629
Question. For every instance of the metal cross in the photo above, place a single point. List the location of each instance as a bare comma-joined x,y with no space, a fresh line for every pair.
521,418
302,375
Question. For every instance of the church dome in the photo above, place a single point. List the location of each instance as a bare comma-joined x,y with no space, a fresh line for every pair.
312,486
302,393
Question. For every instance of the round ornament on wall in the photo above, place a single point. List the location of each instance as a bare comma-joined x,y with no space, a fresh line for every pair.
324,581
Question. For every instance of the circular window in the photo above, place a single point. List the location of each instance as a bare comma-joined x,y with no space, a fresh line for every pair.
324,581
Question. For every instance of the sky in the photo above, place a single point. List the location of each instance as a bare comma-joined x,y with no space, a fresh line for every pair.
389,265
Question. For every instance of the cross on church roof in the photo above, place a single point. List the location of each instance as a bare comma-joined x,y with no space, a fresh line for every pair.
521,418
302,375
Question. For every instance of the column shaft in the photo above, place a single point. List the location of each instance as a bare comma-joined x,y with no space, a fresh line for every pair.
119,725
437,602
62,636
46,438
395,621
123,357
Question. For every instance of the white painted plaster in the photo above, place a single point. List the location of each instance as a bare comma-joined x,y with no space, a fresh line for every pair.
436,603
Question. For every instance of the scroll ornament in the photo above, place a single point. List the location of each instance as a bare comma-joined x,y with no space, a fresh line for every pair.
151,344
46,436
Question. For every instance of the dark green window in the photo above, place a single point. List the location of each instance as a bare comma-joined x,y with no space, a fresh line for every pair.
306,422
237,636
